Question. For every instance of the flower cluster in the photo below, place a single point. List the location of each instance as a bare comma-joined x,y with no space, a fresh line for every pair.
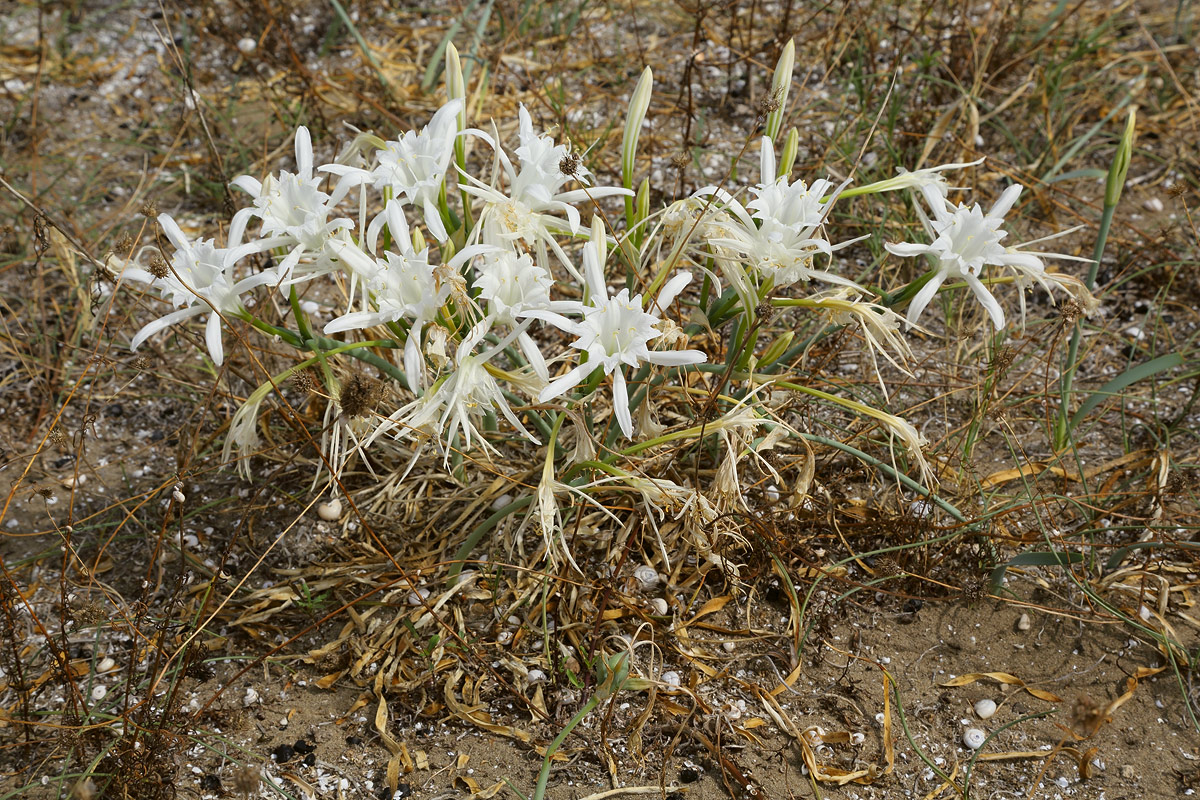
499,295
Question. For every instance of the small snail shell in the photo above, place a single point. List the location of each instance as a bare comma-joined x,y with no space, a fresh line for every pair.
330,511
973,738
658,607
646,577
985,709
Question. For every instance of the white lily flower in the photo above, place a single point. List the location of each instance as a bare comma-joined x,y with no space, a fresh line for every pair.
294,213
615,331
413,167
401,286
782,237
513,286
200,281
534,193
965,241
462,397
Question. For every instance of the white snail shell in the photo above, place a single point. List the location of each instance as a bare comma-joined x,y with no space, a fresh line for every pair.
985,709
658,607
331,511
973,738
671,678
646,577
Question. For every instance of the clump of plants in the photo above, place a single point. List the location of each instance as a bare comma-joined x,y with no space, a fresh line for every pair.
517,310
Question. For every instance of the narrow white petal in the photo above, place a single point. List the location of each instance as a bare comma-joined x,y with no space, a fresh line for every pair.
212,338
985,298
621,403
1006,201
923,297
165,322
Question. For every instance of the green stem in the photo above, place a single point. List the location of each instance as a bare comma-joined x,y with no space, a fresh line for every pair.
1062,428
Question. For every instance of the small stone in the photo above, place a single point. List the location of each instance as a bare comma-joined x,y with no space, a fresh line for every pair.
1127,771
247,45
729,646
1024,623
973,738
330,511
985,709
671,678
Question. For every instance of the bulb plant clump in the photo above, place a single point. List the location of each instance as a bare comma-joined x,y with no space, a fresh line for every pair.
499,303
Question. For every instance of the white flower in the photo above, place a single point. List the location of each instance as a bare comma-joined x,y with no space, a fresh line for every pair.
414,166
615,331
534,193
965,241
513,286
293,209
402,286
462,397
199,272
781,238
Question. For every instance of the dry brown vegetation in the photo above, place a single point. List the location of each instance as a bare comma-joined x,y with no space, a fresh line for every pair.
168,627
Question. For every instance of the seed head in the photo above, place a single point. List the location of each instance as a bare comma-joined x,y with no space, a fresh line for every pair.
150,209
304,382
158,267
681,160
359,394
570,163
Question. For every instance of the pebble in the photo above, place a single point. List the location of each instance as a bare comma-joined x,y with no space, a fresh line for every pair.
1127,771
247,45
729,646
985,709
671,678
1024,623
973,738
330,511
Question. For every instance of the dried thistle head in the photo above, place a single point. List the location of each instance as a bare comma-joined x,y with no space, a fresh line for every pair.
359,394
158,266
1003,359
1070,311
304,382
149,209
140,363
769,104
570,163
887,567
681,160
57,437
